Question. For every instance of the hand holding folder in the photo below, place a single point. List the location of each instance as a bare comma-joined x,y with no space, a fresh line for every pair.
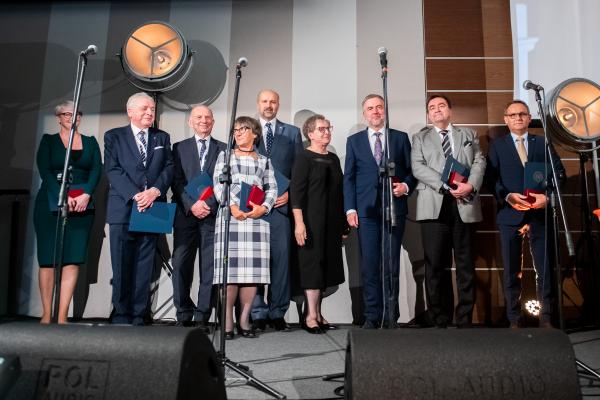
249,194
200,188
454,172
74,191
534,177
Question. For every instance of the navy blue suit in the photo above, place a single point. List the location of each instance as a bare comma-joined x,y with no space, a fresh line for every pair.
132,254
190,234
287,142
505,175
362,192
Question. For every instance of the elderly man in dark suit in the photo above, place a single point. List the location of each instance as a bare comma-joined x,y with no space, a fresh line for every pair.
194,227
139,167
506,160
280,144
447,215
362,202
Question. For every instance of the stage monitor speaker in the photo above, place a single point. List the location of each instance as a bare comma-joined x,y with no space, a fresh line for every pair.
460,364
111,362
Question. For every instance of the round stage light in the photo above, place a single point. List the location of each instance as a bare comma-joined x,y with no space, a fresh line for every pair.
533,307
156,57
574,114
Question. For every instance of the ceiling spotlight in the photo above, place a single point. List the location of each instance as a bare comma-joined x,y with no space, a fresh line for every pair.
155,57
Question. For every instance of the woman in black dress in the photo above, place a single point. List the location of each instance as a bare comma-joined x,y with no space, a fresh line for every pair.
318,207
87,168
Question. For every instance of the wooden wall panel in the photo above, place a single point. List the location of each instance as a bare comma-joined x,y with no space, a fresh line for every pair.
478,107
473,74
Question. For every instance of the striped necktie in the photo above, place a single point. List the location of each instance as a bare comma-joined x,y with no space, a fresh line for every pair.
142,146
446,146
202,151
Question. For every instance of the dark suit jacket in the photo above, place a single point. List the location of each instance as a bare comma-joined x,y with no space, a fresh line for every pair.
126,173
361,173
186,162
504,175
287,142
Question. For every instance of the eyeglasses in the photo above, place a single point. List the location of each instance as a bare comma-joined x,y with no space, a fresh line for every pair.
324,129
241,129
515,115
69,114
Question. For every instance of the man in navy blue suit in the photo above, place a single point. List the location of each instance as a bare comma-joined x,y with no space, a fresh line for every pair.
506,159
362,202
139,167
194,227
280,143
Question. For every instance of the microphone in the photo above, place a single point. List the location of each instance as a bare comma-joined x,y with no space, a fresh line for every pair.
90,51
242,62
528,85
382,51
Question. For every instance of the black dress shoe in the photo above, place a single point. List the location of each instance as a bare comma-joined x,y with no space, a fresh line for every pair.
280,325
185,324
203,326
228,335
464,325
259,325
369,325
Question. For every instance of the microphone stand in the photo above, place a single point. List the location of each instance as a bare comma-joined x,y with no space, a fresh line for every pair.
65,179
556,199
386,174
225,179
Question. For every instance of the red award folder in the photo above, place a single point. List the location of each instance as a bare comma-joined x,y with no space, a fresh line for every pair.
455,178
206,193
256,196
75,192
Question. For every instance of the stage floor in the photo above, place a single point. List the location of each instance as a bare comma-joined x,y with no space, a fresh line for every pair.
293,363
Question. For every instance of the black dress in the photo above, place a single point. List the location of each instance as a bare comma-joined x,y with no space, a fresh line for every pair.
316,189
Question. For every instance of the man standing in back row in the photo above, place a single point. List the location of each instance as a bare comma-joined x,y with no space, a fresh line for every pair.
447,215
280,143
365,152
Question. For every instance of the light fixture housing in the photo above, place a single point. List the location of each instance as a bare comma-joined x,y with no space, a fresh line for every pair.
156,57
573,110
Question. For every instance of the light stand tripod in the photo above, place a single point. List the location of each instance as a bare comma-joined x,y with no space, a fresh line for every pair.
225,179
65,179
556,199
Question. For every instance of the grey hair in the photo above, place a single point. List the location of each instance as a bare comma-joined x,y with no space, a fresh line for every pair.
65,104
132,100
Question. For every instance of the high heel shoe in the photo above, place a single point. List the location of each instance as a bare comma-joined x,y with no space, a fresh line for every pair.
327,326
228,335
311,329
247,333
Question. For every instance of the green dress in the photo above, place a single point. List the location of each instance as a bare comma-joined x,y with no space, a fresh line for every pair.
87,167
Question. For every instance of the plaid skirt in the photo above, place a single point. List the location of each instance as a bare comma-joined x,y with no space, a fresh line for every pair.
249,251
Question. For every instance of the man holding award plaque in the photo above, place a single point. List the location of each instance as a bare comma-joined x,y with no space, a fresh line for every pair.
194,228
449,165
518,170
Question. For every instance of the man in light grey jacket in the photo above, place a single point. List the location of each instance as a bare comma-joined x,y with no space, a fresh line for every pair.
447,213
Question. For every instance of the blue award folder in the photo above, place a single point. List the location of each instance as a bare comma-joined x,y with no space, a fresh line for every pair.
535,176
283,183
197,187
454,171
156,219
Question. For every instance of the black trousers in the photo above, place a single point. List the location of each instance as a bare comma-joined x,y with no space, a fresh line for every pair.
441,238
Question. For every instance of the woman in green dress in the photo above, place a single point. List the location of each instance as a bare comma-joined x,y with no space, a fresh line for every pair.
87,167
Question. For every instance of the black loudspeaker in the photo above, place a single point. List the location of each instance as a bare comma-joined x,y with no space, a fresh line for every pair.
460,364
82,362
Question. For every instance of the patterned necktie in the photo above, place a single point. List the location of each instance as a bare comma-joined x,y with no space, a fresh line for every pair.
378,150
202,151
521,150
270,138
446,147
142,145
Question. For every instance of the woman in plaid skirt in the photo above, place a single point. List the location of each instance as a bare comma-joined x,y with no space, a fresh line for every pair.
249,234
